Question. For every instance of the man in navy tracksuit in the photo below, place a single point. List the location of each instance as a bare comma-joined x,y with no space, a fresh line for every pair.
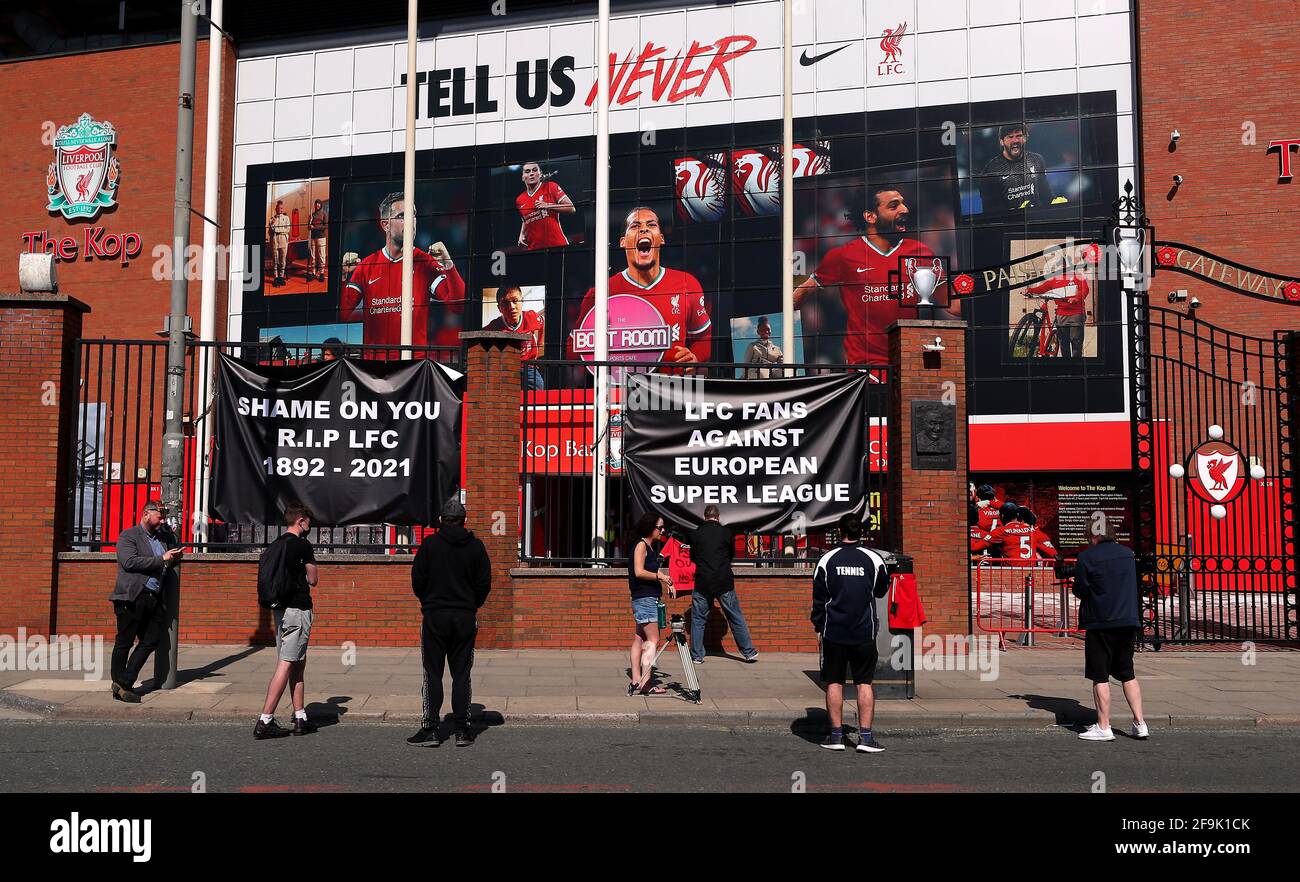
845,587
1105,582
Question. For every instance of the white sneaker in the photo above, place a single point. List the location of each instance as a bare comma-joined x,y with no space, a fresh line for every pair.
1139,730
1096,733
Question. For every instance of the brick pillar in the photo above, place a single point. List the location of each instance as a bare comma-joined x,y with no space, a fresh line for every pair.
491,436
38,397
928,507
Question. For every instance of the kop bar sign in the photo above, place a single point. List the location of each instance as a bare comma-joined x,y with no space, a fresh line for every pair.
83,178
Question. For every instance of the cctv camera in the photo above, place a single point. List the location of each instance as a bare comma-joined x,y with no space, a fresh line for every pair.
1178,296
1178,179
1194,304
1175,135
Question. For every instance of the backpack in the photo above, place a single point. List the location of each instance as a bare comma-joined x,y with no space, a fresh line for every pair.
274,586
905,612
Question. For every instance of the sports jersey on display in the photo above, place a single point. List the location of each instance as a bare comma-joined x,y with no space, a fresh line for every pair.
678,299
530,323
374,296
1072,289
1020,541
988,516
861,272
1009,184
978,539
541,227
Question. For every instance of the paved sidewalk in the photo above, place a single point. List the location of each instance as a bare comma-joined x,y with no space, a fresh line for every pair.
1034,687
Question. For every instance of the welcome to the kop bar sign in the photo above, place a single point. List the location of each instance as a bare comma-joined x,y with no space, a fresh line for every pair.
1226,274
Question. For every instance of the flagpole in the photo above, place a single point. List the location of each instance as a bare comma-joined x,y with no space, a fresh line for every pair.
600,466
408,182
787,183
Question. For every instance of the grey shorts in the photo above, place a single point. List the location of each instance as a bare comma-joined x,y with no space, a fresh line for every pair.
292,631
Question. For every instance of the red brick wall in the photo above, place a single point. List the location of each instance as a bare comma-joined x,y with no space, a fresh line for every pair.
371,604
928,508
36,333
135,89
1231,202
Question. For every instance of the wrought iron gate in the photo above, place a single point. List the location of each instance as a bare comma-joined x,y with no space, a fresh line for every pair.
1216,561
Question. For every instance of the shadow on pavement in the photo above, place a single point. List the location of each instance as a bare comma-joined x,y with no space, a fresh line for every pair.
1068,711
327,712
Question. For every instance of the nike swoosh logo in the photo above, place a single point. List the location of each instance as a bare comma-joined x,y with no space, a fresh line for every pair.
864,269
372,281
808,61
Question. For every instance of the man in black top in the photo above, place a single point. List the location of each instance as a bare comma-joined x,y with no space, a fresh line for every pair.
712,548
845,587
1015,178
452,577
292,628
1105,582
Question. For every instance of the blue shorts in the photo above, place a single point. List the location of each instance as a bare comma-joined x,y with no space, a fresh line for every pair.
645,609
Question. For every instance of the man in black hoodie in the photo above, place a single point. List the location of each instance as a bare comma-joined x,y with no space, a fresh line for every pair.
452,577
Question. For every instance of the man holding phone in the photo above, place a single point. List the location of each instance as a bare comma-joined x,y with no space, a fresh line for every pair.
148,556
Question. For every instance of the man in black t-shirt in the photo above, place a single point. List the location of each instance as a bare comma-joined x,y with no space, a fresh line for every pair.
292,628
1015,178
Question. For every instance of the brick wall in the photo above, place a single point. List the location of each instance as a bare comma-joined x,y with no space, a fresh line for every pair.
36,333
928,508
1231,202
370,603
134,89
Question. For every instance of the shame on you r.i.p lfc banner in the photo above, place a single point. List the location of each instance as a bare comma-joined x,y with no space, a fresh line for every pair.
358,442
773,454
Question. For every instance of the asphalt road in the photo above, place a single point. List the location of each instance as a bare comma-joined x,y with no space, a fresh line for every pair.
372,757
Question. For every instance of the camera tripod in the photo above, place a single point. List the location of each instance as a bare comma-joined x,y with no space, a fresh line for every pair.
676,634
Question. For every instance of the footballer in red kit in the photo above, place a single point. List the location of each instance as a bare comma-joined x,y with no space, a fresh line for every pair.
674,294
1019,540
516,319
540,205
860,269
373,295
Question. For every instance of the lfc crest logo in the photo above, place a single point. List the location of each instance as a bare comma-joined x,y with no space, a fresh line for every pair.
84,176
1218,471
891,43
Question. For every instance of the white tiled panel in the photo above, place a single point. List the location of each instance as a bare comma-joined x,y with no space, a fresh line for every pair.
902,71
940,15
1039,10
256,79
254,121
846,69
837,20
758,73
1049,45
293,118
332,115
294,75
372,111
1104,39
333,71
995,88
293,151
249,154
883,15
373,67
990,12
943,92
942,55
994,50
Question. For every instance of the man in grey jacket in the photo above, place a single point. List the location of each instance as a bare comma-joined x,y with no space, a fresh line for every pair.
147,559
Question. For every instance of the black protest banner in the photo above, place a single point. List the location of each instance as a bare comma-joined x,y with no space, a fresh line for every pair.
359,442
772,453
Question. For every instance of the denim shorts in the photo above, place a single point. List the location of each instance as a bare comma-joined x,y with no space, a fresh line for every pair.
645,609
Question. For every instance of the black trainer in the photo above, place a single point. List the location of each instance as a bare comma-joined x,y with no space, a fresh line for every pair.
425,738
126,695
303,727
464,738
832,742
262,731
868,744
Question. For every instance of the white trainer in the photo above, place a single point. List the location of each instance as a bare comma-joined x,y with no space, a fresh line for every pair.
1096,733
1139,730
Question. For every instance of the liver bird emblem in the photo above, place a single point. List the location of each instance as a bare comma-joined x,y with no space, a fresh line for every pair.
891,42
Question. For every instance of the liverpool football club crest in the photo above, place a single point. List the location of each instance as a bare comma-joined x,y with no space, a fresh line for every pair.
84,176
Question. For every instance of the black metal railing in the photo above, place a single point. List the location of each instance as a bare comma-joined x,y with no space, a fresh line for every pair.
557,500
116,462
